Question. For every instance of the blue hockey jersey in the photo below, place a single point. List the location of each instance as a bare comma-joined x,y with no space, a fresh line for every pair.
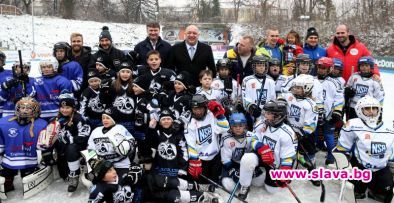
16,143
47,92
73,71
5,75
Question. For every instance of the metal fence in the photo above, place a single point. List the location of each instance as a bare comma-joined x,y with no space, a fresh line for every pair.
10,10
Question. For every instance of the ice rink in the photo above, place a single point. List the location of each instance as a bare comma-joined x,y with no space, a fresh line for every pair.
57,192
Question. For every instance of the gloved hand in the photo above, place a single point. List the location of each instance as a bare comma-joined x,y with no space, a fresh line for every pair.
283,183
24,78
336,116
266,155
133,176
350,92
255,111
233,173
216,108
177,125
47,158
195,168
9,84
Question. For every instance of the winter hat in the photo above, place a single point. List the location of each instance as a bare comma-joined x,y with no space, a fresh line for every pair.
110,113
165,113
66,98
125,65
142,82
311,31
103,61
184,78
99,168
93,73
105,34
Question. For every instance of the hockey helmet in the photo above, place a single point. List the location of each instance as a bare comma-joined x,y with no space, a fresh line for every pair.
368,102
199,100
303,59
26,109
338,64
305,82
326,64
62,45
260,60
223,63
279,109
369,61
52,62
237,119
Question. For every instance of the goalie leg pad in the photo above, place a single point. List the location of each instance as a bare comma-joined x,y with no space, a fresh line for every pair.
37,181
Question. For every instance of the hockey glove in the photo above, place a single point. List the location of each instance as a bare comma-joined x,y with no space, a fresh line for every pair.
195,168
216,108
266,155
308,145
233,173
47,158
177,125
9,84
283,183
336,118
133,176
350,92
254,110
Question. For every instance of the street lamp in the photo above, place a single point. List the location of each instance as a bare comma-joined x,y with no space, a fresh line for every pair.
305,18
156,14
32,23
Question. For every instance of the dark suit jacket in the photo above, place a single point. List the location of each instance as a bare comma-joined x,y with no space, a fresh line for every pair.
145,46
179,60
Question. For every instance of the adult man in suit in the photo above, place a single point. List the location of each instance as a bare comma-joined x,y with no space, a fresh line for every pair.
192,55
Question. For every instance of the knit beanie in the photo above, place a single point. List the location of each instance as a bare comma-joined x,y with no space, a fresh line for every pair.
105,34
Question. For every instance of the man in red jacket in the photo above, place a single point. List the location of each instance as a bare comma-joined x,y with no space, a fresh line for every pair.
347,48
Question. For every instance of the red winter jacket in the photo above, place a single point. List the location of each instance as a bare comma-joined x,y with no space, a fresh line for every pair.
355,51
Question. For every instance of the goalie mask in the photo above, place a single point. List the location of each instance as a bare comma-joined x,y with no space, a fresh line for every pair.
368,109
275,112
27,109
199,106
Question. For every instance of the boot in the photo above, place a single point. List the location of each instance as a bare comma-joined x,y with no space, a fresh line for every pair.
208,198
73,183
201,187
359,195
243,192
315,183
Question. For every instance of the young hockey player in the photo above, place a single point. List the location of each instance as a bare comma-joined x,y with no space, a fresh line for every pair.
105,74
16,87
18,140
206,89
362,83
202,137
108,186
275,73
257,88
274,146
235,144
166,181
91,106
230,88
373,143
4,76
336,72
113,142
71,70
72,138
302,117
49,86
333,104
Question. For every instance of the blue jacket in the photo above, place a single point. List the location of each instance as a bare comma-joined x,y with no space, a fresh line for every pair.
18,146
47,92
73,71
315,52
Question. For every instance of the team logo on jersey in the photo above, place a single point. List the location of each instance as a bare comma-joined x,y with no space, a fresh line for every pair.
205,134
102,145
39,81
270,142
237,154
378,149
124,194
232,144
116,62
12,132
96,105
367,136
167,150
361,90
124,104
263,97
295,112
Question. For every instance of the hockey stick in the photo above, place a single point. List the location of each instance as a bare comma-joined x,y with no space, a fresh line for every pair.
293,193
261,92
233,193
21,67
347,101
221,187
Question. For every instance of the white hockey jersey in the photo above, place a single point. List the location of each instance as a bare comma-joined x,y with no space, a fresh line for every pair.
317,90
373,147
202,137
212,94
251,90
279,83
235,96
301,114
333,96
232,149
104,148
282,141
340,81
365,86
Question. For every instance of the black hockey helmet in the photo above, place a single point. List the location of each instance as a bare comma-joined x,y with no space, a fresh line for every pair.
258,60
274,61
62,45
279,109
199,100
303,58
223,63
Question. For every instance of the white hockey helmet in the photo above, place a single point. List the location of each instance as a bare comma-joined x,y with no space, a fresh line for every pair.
51,61
304,81
368,101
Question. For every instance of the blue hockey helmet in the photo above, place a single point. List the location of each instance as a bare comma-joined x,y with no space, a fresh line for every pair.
237,118
338,64
366,60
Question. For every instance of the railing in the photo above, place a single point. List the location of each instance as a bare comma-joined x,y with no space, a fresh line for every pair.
10,10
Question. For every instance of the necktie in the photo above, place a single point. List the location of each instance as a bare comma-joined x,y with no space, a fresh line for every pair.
191,52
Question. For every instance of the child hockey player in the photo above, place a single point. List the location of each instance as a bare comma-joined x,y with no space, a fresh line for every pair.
49,86
275,73
206,89
333,104
108,186
336,72
105,74
257,88
202,137
72,138
4,76
235,144
362,83
18,140
302,117
166,182
91,106
230,88
274,145
373,141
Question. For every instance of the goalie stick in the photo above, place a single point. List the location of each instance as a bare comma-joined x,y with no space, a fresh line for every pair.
221,187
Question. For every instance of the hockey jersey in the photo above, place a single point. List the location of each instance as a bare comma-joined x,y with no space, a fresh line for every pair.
373,147
72,70
235,96
71,129
161,80
279,83
48,90
110,192
232,149
365,86
101,143
202,136
301,114
179,103
123,102
211,94
17,145
91,106
333,96
5,75
281,140
252,91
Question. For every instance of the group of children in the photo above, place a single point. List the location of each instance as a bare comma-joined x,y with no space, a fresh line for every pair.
155,137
